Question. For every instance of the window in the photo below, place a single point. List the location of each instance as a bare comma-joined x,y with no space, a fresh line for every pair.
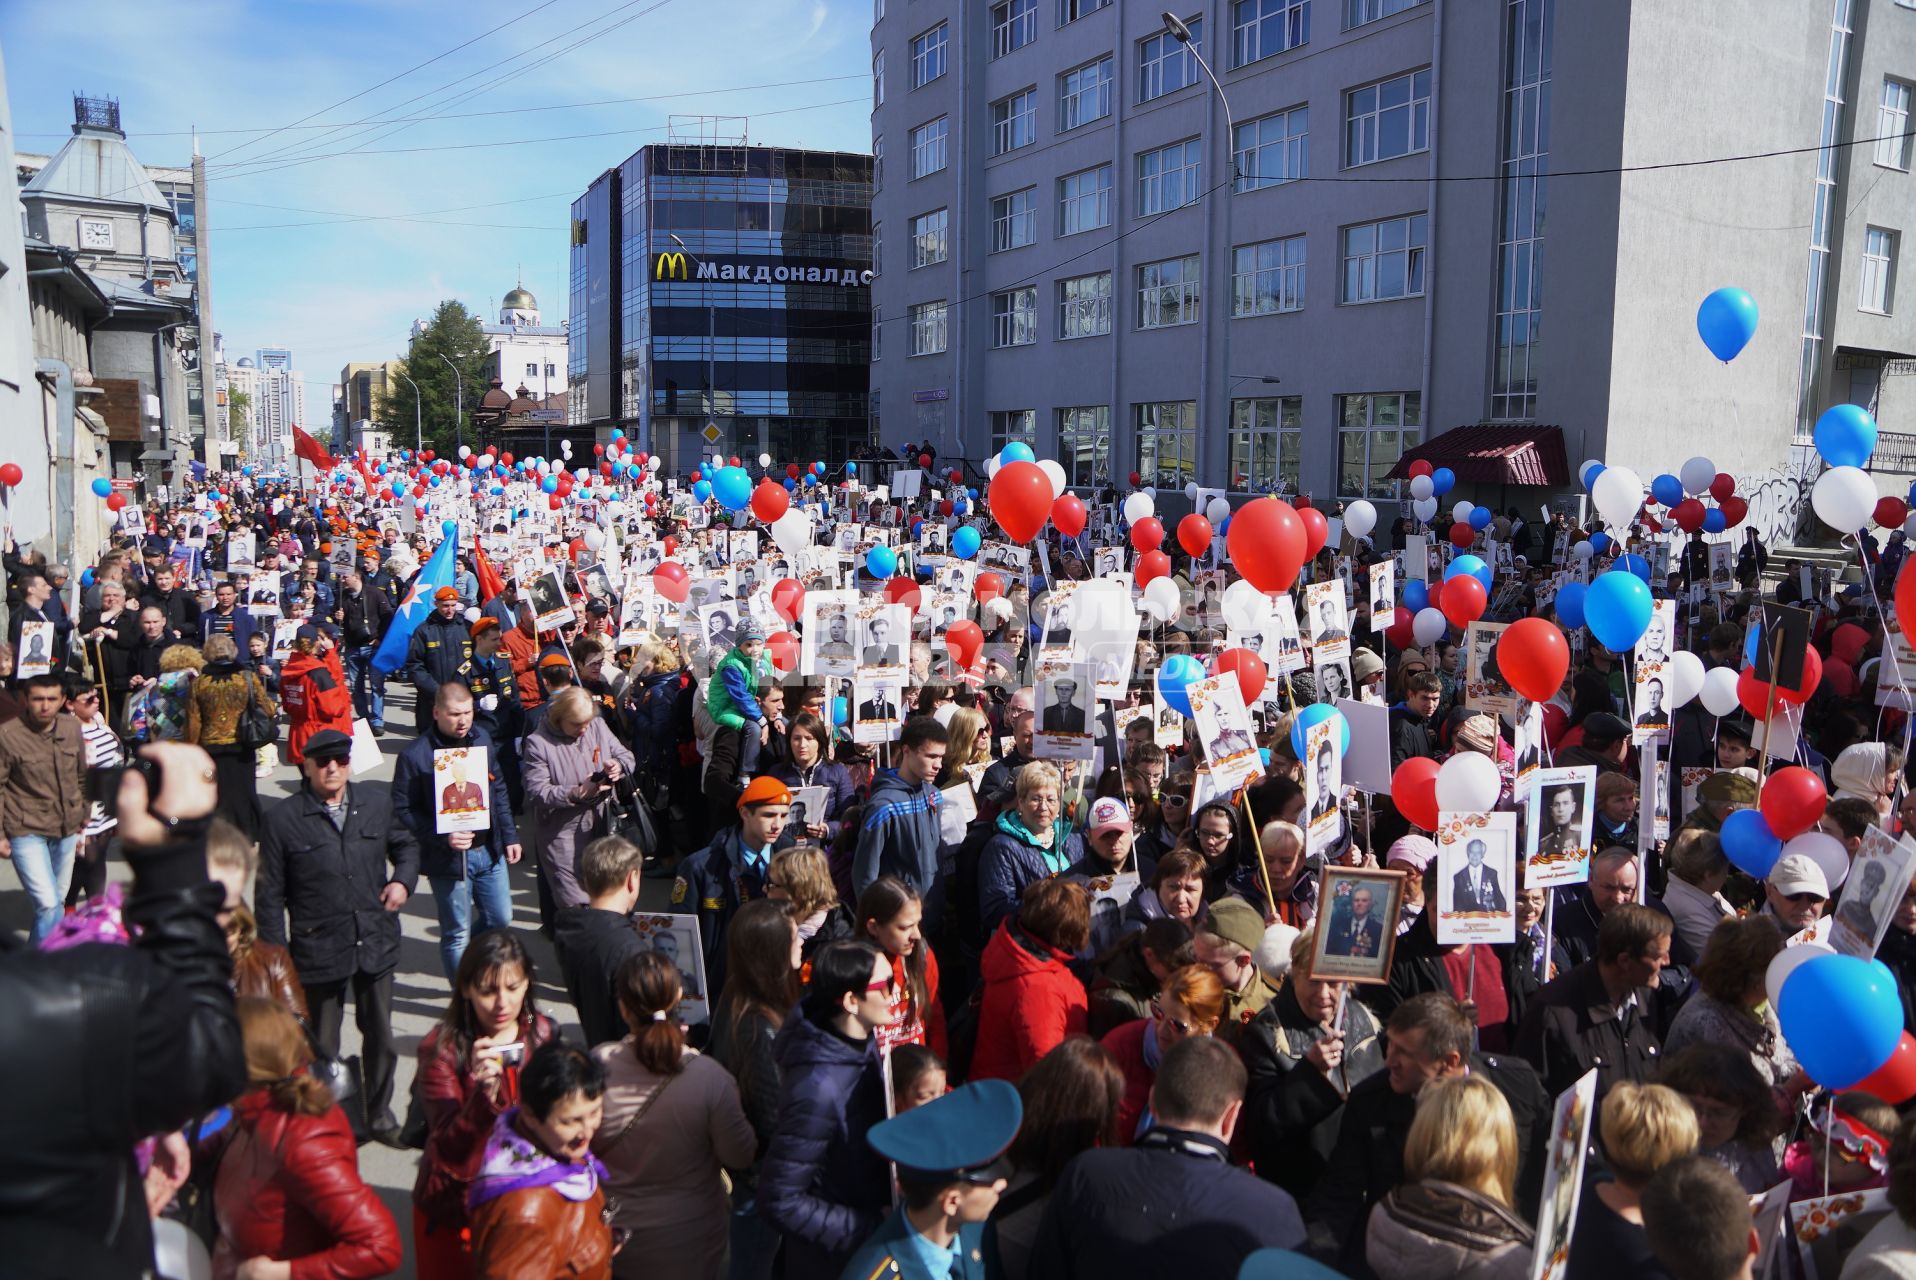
1268,277
878,79
1374,431
1072,10
1167,443
878,333
1014,220
1168,177
1013,426
878,160
928,147
1892,126
1384,259
1084,200
1386,120
1166,64
1266,443
928,328
1084,443
1014,24
1358,12
1014,122
1271,150
1879,270
928,56
1260,28
1168,292
532,370
1014,317
928,238
552,371
1084,95
878,248
1084,305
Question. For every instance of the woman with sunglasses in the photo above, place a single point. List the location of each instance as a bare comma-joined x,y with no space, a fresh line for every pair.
888,917
1214,837
1155,839
1190,1004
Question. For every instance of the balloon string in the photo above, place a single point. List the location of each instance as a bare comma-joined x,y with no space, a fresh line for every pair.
1889,650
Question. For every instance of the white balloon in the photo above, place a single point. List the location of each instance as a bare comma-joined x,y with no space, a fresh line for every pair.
652,463
1191,490
1697,474
472,614
1461,512
565,447
1583,550
1585,468
1425,509
1844,498
1161,599
1826,851
1719,692
1360,517
764,459
1421,487
1909,525
1685,677
1055,473
1785,964
1429,625
991,466
464,452
1137,507
1468,782
593,537
1217,510
1246,609
1618,494
792,532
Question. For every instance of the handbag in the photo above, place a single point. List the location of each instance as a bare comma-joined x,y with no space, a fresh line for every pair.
256,728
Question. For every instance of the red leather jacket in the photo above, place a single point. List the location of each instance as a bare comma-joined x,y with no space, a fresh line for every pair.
459,1116
288,1188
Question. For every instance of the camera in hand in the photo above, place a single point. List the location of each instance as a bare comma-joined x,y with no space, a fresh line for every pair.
512,1055
103,784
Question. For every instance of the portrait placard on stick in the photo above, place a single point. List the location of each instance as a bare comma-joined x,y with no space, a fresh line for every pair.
462,794
1476,877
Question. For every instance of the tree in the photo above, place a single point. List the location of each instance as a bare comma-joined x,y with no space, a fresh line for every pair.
454,334
237,403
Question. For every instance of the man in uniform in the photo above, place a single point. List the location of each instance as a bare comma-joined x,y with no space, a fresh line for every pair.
951,1171
1560,840
441,649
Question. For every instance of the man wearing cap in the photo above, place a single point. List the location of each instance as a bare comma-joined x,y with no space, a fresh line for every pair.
1223,943
1794,893
951,1171
441,650
364,616
1606,744
1719,795
1173,1204
334,870
731,871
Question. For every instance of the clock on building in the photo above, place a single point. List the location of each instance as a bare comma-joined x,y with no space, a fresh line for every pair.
96,233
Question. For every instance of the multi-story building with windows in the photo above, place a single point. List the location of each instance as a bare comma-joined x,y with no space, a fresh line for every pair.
1080,245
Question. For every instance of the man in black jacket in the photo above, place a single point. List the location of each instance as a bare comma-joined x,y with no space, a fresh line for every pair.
181,608
107,1045
1410,723
1603,1013
441,649
110,634
1429,1039
595,940
363,616
323,861
1172,1204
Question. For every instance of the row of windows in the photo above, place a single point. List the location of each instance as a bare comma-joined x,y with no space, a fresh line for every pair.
737,295
1264,443
700,349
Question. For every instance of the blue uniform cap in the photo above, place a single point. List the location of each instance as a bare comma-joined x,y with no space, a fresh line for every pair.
960,1134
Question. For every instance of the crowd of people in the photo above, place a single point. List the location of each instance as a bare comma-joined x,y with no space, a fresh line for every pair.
950,982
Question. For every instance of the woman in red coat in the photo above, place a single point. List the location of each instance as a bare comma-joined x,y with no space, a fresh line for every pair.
1031,999
889,913
288,1197
1190,1004
468,1077
313,689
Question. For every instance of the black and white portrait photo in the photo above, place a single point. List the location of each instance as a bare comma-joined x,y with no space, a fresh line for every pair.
1558,822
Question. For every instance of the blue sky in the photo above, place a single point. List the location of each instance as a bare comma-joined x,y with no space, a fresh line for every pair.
345,282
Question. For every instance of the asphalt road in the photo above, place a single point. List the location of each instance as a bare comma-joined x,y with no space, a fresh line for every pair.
420,990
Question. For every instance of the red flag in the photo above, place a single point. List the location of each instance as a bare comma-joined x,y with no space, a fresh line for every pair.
310,449
490,583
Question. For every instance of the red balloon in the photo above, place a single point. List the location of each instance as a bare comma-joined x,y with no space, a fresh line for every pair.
945,507
988,587
924,459
671,544
10,474
1734,509
1249,669
1463,600
955,475
1793,801
900,590
1421,468
1402,630
1891,512
1021,500
505,459
1136,479
732,461
599,449
670,581
1301,502
1462,535
554,502
605,468
1266,543
696,475
1152,564
1317,530
1194,535
115,501
1534,657
1068,514
1147,534
1413,788
1895,1081
965,639
1688,514
783,648
788,598
770,501
791,468
1754,694
1723,486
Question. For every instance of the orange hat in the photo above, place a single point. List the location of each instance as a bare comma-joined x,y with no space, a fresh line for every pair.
764,790
443,594
555,660
482,625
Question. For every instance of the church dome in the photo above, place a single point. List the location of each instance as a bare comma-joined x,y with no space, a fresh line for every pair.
496,396
520,300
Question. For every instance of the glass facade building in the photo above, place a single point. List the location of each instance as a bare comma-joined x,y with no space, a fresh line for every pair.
729,287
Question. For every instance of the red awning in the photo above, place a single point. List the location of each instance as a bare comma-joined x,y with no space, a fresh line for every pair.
1494,454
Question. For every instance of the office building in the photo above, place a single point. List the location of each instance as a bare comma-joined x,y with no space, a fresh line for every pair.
1079,247
720,302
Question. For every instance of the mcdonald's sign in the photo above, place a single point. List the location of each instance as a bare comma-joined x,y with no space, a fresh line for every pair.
671,266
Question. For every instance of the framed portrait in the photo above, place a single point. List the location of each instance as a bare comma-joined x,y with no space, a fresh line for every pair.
1333,680
1169,722
677,939
807,809
239,552
1330,628
1566,1149
1476,877
825,648
262,595
548,599
36,649
1107,562
1067,715
1358,908
1874,889
718,623
1110,895
884,632
461,790
1283,647
878,708
1722,568
1561,811
285,630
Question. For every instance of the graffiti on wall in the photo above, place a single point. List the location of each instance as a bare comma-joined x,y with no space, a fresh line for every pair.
1776,505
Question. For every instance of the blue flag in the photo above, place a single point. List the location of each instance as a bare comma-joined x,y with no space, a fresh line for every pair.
414,608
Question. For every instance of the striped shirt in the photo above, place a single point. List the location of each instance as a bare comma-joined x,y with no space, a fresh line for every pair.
103,750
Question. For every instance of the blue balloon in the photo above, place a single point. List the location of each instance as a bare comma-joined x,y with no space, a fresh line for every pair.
1726,321
1617,608
881,562
497,490
973,493
1442,481
448,527
1175,675
86,577
1634,564
1480,517
1842,1017
550,484
1590,474
1312,716
399,491
1846,435
965,542
1469,564
1599,542
1667,489
818,468
103,487
733,488
702,491
851,468
1714,521
838,711
790,484
1749,843
1416,596
810,479
1016,451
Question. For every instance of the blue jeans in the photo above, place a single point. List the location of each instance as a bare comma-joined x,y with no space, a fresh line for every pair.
44,864
369,687
481,901
755,1243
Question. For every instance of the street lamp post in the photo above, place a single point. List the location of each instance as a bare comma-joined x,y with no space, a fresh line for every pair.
458,403
418,419
711,342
